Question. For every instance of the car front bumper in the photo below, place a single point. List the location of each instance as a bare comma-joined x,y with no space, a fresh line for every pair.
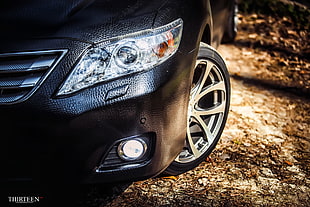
49,137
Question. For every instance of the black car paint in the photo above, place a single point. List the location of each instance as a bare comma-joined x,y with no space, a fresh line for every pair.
53,137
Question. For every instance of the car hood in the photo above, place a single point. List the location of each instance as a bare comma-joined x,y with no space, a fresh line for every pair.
32,18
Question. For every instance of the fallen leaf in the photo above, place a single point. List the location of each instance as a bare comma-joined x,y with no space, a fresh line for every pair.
170,177
208,159
288,162
253,36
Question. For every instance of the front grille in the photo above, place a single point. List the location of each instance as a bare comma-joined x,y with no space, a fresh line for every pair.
22,73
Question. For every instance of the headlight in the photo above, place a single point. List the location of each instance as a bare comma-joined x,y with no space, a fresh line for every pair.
124,55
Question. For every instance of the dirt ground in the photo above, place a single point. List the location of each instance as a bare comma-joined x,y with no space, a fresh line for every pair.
263,157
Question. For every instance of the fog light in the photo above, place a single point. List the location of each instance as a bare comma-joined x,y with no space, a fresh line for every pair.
132,149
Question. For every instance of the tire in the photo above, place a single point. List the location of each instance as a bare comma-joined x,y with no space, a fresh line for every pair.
232,24
207,111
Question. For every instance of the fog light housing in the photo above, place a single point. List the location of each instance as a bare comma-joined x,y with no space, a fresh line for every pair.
132,149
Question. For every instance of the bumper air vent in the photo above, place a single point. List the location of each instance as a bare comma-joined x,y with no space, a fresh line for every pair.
22,73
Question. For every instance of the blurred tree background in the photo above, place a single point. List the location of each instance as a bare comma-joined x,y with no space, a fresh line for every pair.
297,10
281,28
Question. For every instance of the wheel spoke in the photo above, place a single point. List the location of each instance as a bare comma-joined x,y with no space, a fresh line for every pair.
191,144
205,129
177,159
218,86
218,108
208,66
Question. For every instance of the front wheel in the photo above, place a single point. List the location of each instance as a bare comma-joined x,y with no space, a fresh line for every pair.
207,110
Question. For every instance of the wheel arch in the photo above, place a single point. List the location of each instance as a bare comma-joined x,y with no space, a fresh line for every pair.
206,35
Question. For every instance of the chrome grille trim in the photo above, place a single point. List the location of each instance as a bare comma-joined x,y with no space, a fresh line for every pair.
23,72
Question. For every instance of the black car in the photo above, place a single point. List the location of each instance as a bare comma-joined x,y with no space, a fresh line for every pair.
103,91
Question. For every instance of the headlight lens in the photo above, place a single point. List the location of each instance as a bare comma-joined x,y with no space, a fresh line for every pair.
124,55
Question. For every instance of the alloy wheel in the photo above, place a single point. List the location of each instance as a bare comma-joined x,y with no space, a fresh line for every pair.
206,110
